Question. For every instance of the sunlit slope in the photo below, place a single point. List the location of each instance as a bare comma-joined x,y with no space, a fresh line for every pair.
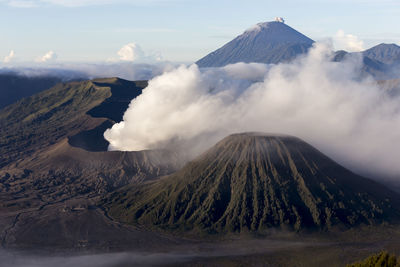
255,181
269,42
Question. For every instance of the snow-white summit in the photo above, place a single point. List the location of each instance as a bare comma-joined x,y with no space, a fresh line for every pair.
268,42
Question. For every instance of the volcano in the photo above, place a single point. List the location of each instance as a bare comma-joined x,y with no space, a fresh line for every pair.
255,181
385,53
268,42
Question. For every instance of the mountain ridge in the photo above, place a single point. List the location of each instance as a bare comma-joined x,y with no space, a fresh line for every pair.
385,53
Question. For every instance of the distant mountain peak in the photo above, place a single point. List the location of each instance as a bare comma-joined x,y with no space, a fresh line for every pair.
385,53
266,42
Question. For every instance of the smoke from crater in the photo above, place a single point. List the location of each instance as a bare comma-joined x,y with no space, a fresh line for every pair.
323,102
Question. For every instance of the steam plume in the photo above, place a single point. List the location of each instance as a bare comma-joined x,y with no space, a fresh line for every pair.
322,102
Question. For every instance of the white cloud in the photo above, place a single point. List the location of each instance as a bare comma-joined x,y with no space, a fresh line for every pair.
348,42
48,57
132,52
67,71
320,101
10,57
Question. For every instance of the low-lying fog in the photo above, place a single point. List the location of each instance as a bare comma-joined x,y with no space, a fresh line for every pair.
96,260
175,255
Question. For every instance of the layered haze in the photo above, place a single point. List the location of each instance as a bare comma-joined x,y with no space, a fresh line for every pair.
71,71
323,102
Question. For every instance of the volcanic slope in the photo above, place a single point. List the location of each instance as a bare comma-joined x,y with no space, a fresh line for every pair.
252,182
52,146
46,118
54,164
268,42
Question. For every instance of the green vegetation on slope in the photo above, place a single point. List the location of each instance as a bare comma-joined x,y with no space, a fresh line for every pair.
253,182
383,259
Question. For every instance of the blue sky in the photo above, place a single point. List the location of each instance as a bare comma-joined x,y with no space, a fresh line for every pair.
178,30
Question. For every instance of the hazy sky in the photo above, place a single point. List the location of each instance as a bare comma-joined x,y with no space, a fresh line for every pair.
175,30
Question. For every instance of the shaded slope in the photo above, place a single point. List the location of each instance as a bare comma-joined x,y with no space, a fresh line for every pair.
253,182
122,93
385,53
13,86
112,108
92,140
269,42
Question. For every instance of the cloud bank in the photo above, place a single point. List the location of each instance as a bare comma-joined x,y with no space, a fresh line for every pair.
348,42
322,102
125,70
18,259
78,71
